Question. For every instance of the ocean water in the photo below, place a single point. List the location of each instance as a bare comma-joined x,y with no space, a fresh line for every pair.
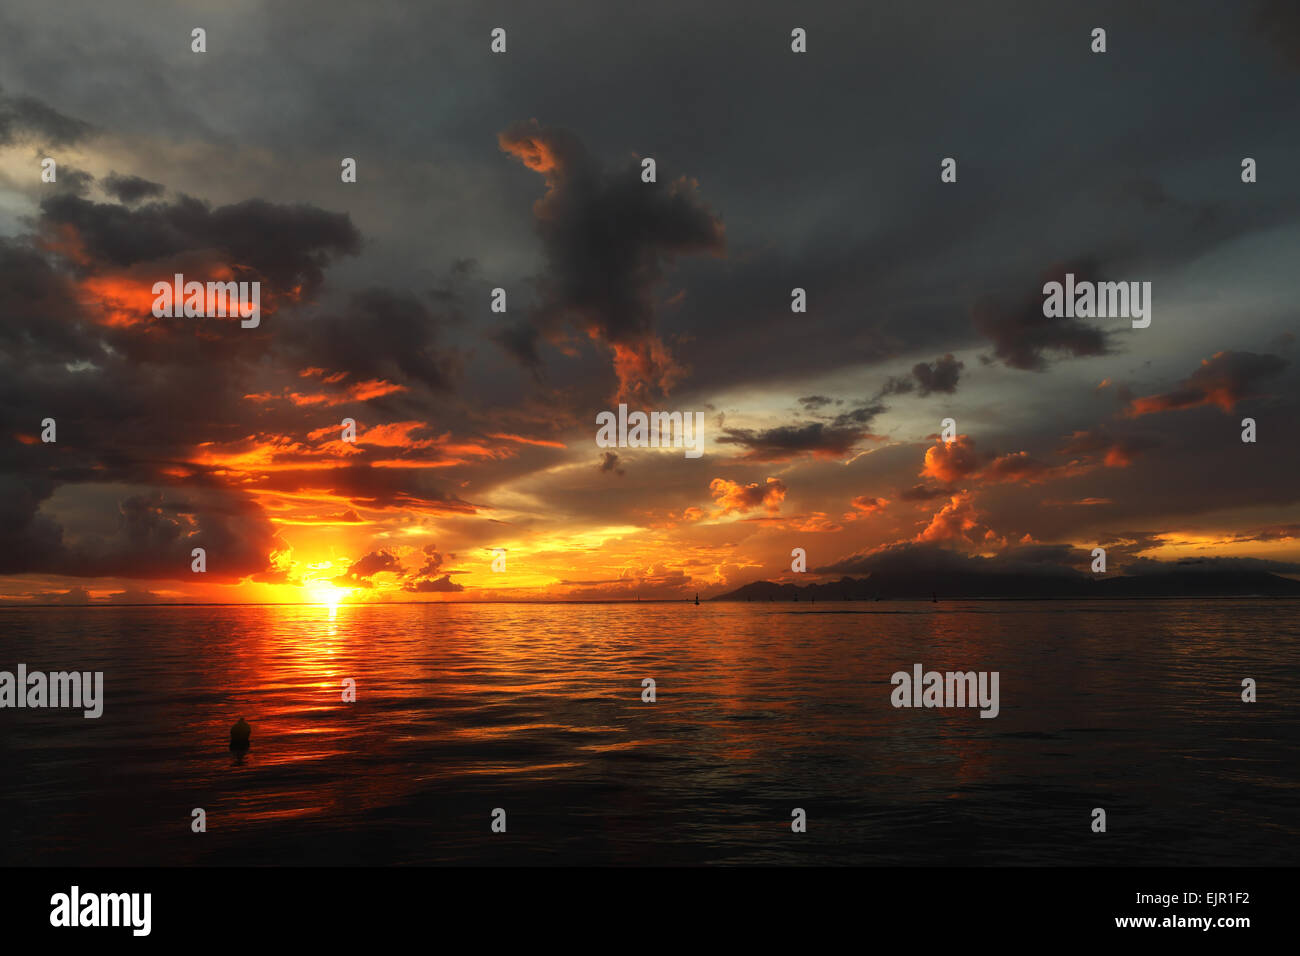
1132,706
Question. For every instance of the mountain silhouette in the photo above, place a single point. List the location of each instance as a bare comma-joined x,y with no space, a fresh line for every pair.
976,585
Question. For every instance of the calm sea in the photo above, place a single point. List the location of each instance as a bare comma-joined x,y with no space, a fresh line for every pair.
536,709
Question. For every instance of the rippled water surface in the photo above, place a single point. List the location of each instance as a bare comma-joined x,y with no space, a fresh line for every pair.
1130,706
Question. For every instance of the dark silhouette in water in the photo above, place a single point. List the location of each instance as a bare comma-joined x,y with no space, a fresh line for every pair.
903,584
697,600
240,734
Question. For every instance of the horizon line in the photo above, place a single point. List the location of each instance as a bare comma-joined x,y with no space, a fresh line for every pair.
691,601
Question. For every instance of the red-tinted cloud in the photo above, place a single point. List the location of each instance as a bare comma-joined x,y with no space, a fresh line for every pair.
1222,380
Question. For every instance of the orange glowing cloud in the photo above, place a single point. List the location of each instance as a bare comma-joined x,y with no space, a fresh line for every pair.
357,392
737,498
953,522
817,521
864,505
644,368
950,461
123,298
534,152
540,442
320,373
395,435
246,455
118,301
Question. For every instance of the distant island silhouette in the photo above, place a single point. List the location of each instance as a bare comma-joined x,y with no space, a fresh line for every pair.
1003,586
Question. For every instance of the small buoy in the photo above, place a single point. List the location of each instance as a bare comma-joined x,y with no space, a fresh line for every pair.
240,734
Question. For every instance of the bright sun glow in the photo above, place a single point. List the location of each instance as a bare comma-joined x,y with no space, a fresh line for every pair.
328,595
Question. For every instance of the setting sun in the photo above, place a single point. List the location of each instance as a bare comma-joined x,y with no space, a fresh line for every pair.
328,595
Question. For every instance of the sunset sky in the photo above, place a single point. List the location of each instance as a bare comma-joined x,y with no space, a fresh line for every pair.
476,430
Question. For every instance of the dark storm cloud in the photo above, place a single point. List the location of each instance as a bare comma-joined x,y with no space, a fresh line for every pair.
195,369
1023,337
427,581
32,292
131,189
91,377
1278,22
520,341
432,561
181,384
29,540
815,403
862,414
371,487
442,585
941,375
27,119
288,246
158,532
923,493
1171,230
608,238
835,437
1196,477
72,181
861,311
716,127
938,376
791,441
610,462
1222,380
360,572
1114,450
379,334
897,386
154,536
